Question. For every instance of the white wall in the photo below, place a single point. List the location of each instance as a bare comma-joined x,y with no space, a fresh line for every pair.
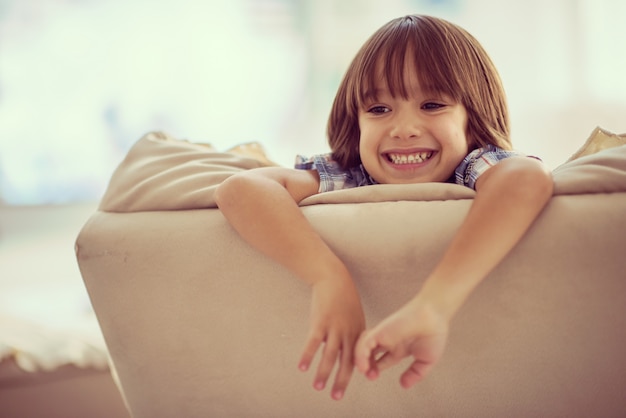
81,81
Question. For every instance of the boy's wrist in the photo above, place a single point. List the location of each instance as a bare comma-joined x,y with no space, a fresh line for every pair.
443,298
327,269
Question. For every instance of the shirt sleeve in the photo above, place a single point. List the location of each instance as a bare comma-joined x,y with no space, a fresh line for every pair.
479,161
332,176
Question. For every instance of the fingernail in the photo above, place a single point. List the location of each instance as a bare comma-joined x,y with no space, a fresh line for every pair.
319,385
337,395
303,367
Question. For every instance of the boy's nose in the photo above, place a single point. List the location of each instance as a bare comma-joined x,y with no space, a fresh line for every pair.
406,126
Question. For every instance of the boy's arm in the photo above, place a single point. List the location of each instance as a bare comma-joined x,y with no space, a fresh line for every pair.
262,206
509,197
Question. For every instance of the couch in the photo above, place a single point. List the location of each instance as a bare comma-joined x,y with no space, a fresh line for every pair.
199,324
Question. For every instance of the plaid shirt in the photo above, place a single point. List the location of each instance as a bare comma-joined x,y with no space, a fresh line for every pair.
333,177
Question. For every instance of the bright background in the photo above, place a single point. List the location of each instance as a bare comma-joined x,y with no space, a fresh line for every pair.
82,80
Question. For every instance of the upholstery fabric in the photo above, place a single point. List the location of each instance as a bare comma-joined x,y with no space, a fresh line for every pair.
199,324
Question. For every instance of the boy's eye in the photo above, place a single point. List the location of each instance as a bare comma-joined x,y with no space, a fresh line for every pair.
432,106
377,110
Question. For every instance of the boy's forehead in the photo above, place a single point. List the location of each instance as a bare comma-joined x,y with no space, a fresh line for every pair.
386,83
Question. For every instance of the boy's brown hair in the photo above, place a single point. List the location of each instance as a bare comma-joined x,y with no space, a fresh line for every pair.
448,61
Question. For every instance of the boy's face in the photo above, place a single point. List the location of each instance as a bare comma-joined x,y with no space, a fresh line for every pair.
421,139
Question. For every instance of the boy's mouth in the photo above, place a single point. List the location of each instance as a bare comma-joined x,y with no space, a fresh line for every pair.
412,158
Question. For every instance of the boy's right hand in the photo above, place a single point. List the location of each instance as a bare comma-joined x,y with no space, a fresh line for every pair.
337,320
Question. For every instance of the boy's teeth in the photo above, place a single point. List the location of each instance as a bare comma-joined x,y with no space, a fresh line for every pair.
418,157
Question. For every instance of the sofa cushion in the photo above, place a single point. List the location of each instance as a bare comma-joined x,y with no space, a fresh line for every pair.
163,173
599,140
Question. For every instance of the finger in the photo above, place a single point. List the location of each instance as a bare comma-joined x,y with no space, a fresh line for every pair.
377,354
388,359
329,357
364,352
346,367
312,345
417,371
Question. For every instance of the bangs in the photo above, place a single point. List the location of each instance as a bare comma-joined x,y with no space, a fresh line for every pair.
403,48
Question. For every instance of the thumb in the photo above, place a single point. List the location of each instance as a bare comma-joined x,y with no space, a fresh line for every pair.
364,352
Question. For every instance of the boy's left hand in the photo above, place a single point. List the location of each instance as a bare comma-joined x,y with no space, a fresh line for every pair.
414,330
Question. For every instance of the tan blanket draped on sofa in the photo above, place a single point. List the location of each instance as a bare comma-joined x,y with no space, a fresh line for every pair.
163,173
